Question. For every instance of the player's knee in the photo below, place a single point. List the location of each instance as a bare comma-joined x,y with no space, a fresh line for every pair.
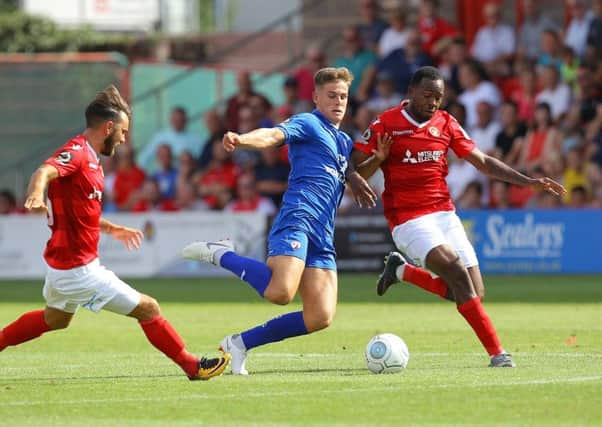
58,323
278,296
318,321
147,308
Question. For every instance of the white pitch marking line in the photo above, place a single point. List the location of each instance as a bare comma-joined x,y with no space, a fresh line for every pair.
298,393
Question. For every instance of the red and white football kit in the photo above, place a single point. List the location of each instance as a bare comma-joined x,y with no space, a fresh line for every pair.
74,275
416,200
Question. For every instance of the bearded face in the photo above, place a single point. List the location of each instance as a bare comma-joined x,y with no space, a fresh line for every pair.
109,144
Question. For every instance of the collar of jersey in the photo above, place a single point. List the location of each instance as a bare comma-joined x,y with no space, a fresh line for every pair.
323,118
411,119
91,149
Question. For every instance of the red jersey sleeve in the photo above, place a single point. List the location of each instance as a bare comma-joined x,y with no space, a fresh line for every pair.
68,159
368,141
461,143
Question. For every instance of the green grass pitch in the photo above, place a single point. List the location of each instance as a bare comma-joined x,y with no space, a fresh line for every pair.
102,372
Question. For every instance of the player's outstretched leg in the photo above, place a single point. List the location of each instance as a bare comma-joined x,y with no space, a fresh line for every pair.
277,329
221,252
31,325
399,268
164,338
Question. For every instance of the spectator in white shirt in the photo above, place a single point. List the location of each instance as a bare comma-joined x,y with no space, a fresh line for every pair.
386,97
176,136
476,89
555,93
576,33
494,41
486,130
395,36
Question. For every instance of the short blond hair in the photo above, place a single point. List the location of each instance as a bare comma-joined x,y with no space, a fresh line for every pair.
332,74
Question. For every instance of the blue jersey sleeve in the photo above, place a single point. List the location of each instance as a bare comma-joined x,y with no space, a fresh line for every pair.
297,128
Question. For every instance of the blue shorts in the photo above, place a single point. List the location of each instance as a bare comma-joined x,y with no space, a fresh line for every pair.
295,242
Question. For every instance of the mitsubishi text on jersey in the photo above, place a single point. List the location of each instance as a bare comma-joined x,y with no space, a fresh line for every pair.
416,167
75,205
319,155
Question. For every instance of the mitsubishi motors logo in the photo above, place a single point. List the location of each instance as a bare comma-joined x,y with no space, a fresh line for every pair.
95,194
423,156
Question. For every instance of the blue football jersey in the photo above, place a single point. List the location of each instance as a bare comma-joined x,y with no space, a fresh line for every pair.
319,155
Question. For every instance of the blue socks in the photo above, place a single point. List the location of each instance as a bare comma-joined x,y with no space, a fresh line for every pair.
286,326
255,273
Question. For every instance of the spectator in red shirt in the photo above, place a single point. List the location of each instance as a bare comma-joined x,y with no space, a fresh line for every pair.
315,58
524,96
248,199
128,179
432,27
240,99
217,183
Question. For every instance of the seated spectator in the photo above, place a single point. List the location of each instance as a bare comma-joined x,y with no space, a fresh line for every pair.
386,96
402,63
554,93
109,169
524,96
167,175
575,172
128,178
361,121
8,202
578,198
551,48
240,100
500,195
594,35
371,27
576,33
531,29
471,196
569,66
507,141
476,89
215,129
148,198
486,130
262,111
246,160
315,58
461,173
176,136
359,60
432,27
458,111
248,199
187,166
271,174
292,101
540,143
217,182
187,200
451,57
394,37
494,43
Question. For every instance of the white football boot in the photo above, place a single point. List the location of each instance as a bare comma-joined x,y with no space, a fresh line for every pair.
205,251
239,355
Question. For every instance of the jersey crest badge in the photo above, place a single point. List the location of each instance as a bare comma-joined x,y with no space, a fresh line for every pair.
434,131
366,136
295,244
64,158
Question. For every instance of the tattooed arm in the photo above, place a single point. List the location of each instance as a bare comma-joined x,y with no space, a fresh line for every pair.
499,170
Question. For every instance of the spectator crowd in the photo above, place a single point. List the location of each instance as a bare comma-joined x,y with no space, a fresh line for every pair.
529,94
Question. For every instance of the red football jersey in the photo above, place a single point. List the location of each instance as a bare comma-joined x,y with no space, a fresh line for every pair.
416,168
75,205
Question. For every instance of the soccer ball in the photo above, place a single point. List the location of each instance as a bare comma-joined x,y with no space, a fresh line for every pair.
386,353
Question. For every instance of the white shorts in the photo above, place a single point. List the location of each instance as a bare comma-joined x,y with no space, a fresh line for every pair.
417,237
91,286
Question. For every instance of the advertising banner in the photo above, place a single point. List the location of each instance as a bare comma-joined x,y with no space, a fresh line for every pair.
23,238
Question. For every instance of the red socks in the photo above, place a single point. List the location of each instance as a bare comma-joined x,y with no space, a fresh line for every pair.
27,327
423,279
475,315
165,339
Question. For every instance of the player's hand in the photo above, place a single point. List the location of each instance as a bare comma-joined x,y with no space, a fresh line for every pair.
549,185
363,194
383,146
131,238
230,141
35,203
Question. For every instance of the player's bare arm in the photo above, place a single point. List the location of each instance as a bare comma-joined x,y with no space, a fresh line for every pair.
363,194
256,139
131,238
366,165
497,169
35,200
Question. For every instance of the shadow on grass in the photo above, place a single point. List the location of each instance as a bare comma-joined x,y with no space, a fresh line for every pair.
357,288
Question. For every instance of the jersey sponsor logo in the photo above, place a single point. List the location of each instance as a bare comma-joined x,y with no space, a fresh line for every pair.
95,194
64,158
402,132
423,156
434,131
76,147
